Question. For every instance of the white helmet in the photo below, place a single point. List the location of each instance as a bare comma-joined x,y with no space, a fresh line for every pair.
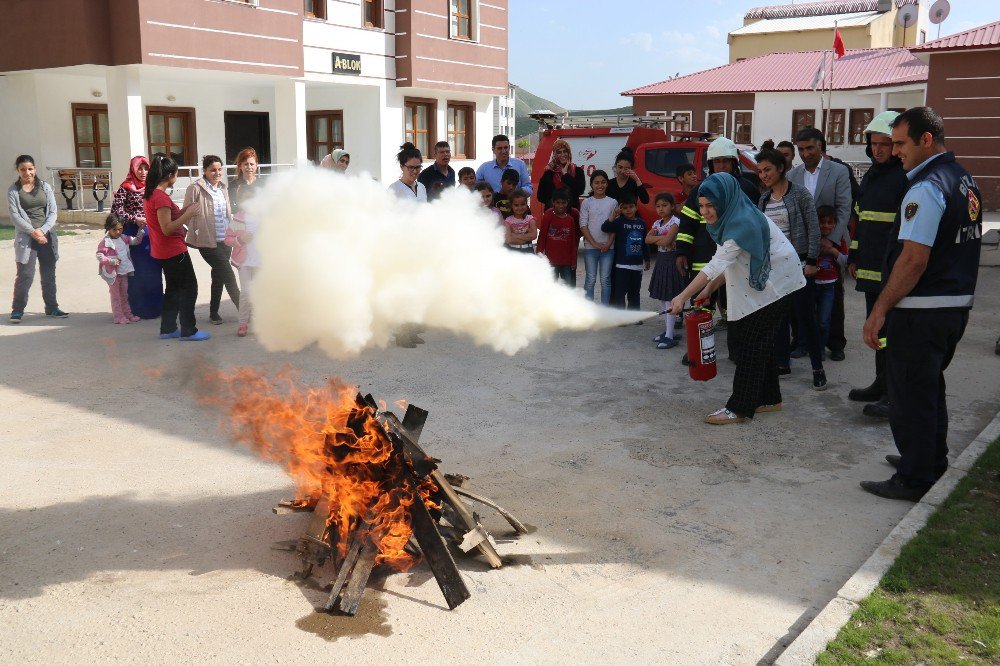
722,147
882,123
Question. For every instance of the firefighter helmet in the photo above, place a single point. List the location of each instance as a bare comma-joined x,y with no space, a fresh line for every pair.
882,123
722,147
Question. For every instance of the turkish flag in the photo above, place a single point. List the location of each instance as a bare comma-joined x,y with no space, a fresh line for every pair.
838,44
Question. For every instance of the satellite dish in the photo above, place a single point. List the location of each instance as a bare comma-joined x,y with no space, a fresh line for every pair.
939,11
907,16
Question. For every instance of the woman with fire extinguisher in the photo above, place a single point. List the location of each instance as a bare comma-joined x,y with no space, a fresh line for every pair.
760,269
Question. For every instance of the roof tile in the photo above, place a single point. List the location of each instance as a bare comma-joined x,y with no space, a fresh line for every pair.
817,8
787,72
984,36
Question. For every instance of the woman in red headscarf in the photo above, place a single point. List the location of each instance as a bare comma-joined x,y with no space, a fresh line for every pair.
561,174
145,288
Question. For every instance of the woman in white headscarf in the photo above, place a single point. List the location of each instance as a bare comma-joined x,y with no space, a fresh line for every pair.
337,161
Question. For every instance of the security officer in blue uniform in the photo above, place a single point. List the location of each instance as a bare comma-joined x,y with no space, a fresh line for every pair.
928,283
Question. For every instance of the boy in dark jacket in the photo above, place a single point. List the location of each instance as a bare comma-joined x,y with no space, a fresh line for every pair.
631,253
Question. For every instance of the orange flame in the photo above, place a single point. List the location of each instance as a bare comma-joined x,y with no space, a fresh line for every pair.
333,449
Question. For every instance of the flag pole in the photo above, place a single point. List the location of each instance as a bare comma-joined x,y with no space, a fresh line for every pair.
829,105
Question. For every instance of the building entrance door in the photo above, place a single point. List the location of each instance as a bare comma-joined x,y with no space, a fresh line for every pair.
248,129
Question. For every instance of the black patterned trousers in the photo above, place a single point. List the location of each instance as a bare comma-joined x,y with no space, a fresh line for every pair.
752,347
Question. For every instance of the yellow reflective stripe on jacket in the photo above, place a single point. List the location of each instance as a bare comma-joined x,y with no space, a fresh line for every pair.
883,343
869,275
685,238
692,213
697,267
857,209
854,245
877,216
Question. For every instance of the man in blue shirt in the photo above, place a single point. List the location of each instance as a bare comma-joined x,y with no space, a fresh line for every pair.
493,170
928,286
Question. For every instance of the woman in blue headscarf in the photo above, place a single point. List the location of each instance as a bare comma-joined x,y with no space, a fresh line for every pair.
759,268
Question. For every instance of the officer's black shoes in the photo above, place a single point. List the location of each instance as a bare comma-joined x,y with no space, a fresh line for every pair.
895,489
684,359
877,410
837,355
867,394
893,459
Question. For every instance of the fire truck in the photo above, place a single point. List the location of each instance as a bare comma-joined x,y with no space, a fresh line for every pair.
596,141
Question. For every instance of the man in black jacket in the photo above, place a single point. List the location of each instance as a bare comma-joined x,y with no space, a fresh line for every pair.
882,190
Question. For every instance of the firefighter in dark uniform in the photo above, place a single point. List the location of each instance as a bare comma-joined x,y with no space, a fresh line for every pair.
695,248
881,192
928,283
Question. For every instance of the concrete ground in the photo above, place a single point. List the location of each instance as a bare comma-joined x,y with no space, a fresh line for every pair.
131,531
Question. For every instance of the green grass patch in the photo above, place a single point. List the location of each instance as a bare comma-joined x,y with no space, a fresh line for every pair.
939,603
7,233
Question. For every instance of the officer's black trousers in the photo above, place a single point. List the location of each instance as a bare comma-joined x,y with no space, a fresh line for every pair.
870,298
921,345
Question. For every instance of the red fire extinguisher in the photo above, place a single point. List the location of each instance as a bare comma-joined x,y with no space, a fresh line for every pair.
700,331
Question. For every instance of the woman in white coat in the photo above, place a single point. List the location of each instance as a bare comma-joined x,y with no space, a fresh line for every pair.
760,269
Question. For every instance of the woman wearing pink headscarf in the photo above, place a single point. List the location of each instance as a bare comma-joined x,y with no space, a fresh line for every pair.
561,174
145,288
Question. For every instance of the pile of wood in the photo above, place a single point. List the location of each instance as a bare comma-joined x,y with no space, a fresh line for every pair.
410,469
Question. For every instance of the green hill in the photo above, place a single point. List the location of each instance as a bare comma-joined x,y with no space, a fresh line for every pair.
528,102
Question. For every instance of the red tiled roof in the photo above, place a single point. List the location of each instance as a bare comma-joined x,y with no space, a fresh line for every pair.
817,9
985,36
787,72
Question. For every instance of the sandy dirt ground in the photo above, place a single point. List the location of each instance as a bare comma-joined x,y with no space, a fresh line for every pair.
132,531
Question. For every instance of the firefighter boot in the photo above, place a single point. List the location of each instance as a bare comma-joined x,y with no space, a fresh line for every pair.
878,410
868,394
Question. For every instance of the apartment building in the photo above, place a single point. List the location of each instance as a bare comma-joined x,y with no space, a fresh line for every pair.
504,113
863,24
90,83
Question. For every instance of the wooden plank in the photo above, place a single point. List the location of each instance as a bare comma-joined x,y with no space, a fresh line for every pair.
345,570
413,422
468,520
514,522
351,598
438,557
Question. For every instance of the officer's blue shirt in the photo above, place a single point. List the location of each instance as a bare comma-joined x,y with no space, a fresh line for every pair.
921,210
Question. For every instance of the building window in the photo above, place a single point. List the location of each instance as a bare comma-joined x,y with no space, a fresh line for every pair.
742,126
171,134
715,122
461,130
834,129
372,13
91,135
315,9
461,19
681,121
859,121
418,124
324,133
801,119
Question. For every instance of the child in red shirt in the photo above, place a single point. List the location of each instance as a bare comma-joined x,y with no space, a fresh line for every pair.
831,259
559,238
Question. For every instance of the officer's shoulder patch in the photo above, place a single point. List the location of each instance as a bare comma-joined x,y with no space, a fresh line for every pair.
911,210
974,206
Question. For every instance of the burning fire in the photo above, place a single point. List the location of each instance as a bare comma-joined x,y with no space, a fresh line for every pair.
334,450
